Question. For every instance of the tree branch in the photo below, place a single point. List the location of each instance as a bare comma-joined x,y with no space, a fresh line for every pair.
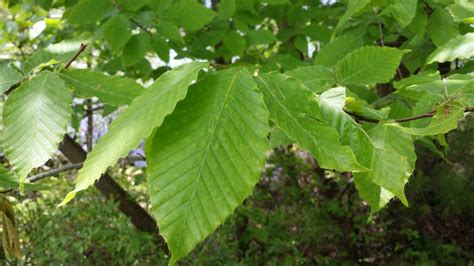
54,172
74,57
400,120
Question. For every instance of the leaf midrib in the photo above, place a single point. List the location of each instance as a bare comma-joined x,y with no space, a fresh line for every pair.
211,138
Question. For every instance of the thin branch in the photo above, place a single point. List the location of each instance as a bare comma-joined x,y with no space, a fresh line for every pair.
74,57
400,120
73,166
139,25
64,168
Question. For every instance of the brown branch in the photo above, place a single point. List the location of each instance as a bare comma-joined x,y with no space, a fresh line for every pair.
64,168
400,120
74,57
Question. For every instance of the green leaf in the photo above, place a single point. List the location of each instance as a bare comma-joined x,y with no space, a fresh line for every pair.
8,78
293,108
117,32
111,90
189,14
403,11
441,27
278,138
234,42
206,158
8,180
36,115
53,54
161,47
445,120
461,10
386,175
275,2
169,30
368,65
352,8
132,5
332,52
226,8
316,78
256,37
135,123
88,11
460,47
136,49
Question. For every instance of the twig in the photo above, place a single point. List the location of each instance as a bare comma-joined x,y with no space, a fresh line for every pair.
64,168
74,57
139,25
90,125
72,166
401,120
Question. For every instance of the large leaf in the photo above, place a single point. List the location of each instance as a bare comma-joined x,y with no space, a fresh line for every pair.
294,109
462,10
316,78
206,158
387,169
368,65
8,78
137,122
111,90
460,47
36,115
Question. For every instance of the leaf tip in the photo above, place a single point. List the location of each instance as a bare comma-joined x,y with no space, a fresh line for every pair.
68,198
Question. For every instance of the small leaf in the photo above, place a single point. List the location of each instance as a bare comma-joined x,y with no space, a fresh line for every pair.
189,14
135,50
8,78
135,123
111,90
332,52
226,8
117,32
403,11
36,115
161,47
445,120
316,78
368,65
88,11
206,158
234,42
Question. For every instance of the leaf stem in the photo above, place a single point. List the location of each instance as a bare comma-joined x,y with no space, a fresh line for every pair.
74,57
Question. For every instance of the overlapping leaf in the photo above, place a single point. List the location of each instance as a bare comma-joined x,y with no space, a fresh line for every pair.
388,169
36,116
460,47
206,158
8,78
294,109
368,65
137,122
316,78
112,90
